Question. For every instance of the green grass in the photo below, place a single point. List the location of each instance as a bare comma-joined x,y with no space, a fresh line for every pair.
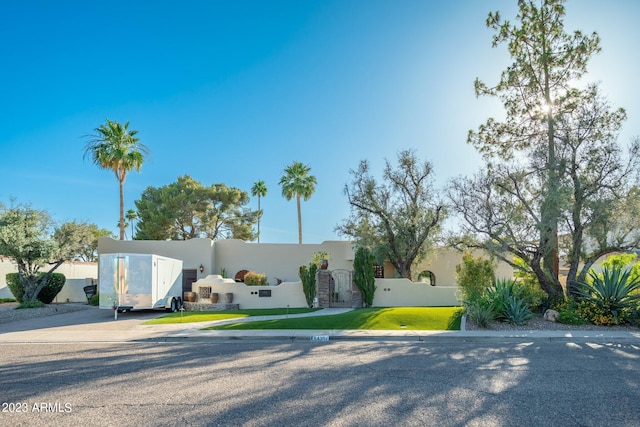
208,316
398,318
5,300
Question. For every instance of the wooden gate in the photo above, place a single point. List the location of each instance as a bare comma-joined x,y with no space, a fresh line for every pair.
341,284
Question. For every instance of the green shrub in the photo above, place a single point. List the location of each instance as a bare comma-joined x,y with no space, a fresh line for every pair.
31,304
14,285
364,275
309,286
609,298
47,294
474,276
95,300
480,312
52,288
255,279
569,313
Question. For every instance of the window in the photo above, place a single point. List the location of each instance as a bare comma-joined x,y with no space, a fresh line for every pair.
427,277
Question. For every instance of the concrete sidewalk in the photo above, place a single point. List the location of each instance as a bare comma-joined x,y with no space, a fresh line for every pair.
93,325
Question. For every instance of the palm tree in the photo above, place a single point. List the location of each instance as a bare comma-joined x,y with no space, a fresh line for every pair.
131,215
115,147
259,189
297,182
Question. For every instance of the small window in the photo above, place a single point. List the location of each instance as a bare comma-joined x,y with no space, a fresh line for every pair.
378,271
427,277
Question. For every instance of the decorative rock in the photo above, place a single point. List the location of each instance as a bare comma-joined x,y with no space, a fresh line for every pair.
551,315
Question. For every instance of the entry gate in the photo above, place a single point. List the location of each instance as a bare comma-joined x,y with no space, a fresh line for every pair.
341,284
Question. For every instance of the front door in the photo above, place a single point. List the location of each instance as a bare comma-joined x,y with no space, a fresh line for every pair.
188,277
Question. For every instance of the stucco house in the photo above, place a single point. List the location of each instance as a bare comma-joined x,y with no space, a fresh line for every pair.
212,266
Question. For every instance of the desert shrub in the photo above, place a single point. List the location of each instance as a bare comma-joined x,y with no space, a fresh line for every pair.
480,311
609,298
474,276
47,294
600,313
30,304
255,279
569,313
95,300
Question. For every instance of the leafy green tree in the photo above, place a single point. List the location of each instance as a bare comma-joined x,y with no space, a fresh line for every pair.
27,236
259,189
364,275
186,209
398,218
296,182
474,276
113,146
84,237
553,164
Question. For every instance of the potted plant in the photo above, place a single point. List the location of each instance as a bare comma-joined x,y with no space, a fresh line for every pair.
321,259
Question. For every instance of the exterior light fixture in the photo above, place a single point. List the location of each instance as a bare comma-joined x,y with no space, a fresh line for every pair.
201,268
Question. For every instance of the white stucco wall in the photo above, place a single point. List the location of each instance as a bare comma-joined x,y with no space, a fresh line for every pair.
287,294
78,275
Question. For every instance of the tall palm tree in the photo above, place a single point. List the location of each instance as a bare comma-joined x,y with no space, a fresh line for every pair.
297,182
113,146
259,189
131,216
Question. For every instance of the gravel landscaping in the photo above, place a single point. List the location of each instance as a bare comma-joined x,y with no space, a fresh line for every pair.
538,323
8,312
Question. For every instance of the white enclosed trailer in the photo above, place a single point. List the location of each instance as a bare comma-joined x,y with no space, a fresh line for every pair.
139,281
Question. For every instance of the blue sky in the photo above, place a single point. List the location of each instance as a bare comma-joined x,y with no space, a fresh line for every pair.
233,92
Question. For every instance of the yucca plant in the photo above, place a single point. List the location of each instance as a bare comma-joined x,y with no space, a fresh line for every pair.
615,290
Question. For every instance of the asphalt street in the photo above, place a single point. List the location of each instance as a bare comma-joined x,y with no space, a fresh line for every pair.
84,368
341,383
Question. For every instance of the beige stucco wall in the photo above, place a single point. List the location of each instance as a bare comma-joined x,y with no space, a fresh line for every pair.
442,263
287,294
405,293
78,275
192,253
277,260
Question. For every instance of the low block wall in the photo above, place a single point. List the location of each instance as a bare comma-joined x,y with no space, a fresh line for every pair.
287,294
405,293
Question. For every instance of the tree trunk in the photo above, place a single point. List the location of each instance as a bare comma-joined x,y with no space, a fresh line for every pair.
121,180
299,219
259,218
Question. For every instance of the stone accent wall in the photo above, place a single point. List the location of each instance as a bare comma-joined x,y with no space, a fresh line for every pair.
195,306
324,288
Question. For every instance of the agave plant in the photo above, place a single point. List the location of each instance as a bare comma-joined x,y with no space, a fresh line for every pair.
615,288
510,304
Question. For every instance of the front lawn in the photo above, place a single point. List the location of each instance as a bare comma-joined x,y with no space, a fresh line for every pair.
397,318
208,316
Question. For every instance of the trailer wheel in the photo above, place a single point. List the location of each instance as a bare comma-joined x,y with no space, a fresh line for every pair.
174,306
